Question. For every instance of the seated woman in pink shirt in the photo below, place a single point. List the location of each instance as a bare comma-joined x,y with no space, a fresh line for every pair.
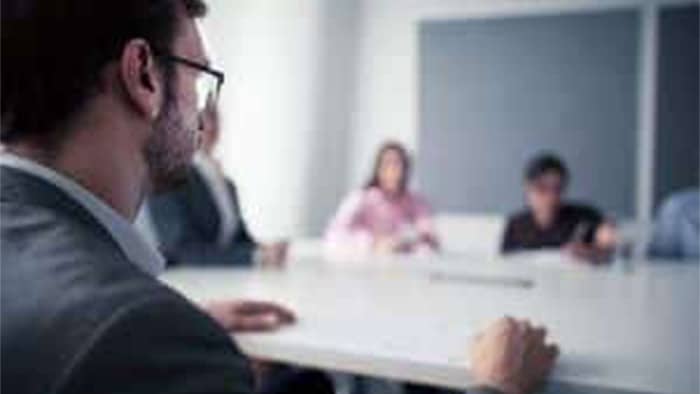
384,217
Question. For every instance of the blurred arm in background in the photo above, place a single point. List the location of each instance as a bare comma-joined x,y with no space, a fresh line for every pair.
677,228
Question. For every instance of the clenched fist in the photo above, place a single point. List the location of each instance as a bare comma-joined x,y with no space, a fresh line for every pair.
512,357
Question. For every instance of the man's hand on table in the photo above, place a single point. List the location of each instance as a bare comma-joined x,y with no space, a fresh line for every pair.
237,316
605,240
512,357
272,255
587,254
249,316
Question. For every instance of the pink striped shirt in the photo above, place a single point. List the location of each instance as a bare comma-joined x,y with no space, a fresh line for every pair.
370,214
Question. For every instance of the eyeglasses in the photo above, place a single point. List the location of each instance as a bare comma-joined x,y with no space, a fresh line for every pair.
208,83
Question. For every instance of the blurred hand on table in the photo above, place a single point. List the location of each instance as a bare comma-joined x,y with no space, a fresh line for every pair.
272,255
395,245
238,316
605,240
249,316
512,357
586,254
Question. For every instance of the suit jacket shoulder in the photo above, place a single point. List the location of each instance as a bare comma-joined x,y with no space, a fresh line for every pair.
69,294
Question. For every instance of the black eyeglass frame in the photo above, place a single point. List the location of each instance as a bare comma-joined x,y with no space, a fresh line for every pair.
219,75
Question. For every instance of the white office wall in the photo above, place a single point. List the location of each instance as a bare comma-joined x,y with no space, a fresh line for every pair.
339,24
315,85
281,111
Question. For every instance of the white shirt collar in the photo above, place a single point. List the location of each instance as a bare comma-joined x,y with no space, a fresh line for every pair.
136,249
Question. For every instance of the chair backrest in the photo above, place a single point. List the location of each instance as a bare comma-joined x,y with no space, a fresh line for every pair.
306,248
472,234
636,234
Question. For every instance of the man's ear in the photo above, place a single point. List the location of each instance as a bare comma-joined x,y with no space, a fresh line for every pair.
141,78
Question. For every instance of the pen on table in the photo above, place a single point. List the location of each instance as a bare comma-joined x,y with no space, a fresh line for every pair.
484,280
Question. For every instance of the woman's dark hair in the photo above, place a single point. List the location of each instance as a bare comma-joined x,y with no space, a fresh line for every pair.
545,163
53,52
405,159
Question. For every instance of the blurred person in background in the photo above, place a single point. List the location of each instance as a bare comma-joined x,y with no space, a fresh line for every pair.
677,228
200,222
100,106
385,217
551,222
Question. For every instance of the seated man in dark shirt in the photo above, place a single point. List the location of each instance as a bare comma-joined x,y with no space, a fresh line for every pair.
550,222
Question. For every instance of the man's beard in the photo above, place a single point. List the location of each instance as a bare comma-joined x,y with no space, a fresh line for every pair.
169,149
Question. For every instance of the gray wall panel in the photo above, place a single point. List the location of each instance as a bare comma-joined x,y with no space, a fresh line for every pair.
495,91
677,101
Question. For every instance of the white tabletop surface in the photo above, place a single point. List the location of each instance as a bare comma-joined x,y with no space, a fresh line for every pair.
634,329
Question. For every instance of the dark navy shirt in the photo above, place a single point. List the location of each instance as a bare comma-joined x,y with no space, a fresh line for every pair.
573,223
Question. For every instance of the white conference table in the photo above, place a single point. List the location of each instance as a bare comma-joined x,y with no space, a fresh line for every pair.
619,330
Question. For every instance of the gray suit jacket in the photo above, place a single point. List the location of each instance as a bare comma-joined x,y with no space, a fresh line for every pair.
78,317
187,224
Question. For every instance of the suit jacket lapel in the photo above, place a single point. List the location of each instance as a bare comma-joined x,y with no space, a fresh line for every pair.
203,208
